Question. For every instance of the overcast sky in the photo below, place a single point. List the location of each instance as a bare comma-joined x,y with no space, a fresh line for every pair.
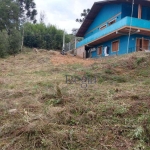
63,13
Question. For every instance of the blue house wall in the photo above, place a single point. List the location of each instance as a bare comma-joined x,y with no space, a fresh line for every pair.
118,11
123,42
122,13
139,23
127,9
103,16
146,13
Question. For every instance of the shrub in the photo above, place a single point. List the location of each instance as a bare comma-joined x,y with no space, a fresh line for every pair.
14,42
108,71
3,44
140,60
119,79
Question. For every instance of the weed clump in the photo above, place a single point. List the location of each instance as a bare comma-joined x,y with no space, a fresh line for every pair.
130,63
109,71
140,60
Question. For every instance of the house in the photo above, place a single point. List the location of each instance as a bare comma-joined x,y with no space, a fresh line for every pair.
115,27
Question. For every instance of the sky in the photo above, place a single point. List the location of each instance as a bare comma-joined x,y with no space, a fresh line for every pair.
62,13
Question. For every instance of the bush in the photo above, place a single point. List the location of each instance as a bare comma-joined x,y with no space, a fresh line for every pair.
140,60
3,44
14,42
119,79
109,71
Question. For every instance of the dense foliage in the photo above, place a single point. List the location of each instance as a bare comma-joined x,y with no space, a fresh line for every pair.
9,15
44,37
9,43
3,44
18,26
13,13
14,42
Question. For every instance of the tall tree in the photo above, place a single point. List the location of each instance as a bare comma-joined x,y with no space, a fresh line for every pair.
27,14
42,16
9,15
27,10
83,14
9,27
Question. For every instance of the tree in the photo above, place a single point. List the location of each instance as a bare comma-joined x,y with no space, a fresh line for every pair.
27,14
42,16
42,36
14,42
9,15
13,14
84,14
3,44
27,10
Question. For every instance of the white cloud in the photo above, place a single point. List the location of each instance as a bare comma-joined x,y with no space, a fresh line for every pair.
63,13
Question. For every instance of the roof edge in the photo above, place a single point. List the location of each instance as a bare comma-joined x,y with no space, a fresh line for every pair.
96,8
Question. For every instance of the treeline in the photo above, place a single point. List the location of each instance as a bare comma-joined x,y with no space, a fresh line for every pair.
13,14
19,27
44,37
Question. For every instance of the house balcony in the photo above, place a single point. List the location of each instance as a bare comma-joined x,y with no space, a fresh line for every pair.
122,27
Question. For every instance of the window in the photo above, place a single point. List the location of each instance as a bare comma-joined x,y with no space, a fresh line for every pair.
99,51
115,46
102,27
111,22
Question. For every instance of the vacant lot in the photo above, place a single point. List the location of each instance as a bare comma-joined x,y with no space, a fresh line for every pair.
38,110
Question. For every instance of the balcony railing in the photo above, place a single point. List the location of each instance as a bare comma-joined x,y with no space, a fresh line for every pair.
137,23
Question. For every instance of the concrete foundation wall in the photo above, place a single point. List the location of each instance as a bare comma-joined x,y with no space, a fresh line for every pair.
80,52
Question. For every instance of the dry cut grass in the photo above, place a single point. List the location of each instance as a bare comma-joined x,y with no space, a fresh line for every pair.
38,110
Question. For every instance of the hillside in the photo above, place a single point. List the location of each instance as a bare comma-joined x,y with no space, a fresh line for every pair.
38,110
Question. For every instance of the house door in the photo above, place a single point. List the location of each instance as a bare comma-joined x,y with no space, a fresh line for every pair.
139,45
99,52
145,44
88,53
142,44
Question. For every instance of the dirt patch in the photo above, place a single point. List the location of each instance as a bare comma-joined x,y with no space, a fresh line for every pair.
59,59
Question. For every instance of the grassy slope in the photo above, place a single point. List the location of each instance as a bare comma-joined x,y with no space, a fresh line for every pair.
38,110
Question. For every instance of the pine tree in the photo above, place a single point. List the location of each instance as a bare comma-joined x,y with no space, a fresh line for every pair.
9,15
84,14
27,10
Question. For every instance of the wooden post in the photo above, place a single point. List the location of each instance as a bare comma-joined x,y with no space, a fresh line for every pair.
139,11
142,43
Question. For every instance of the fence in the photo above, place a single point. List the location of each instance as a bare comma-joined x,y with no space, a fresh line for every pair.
138,48
69,46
